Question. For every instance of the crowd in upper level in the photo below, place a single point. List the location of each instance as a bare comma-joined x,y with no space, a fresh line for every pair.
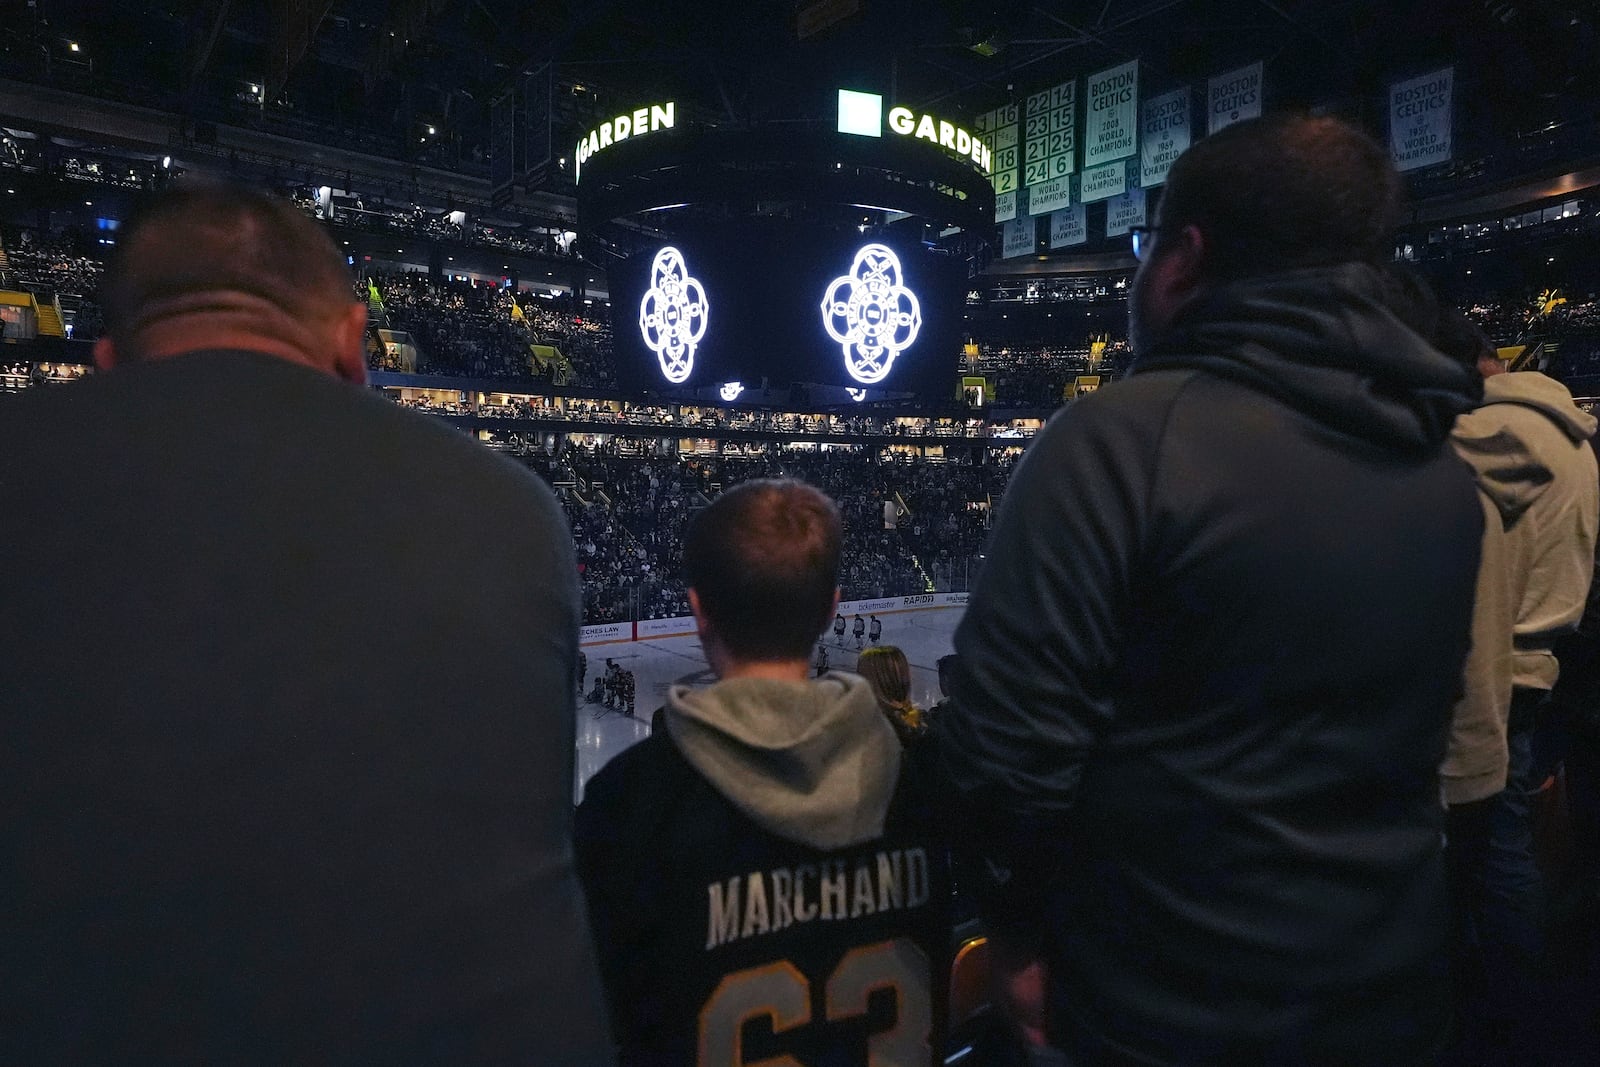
909,525
484,331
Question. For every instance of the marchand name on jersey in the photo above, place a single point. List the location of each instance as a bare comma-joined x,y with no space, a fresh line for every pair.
764,902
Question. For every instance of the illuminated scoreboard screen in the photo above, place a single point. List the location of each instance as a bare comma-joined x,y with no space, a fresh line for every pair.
788,304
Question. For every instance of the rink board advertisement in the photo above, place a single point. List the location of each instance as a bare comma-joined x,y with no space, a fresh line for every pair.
1420,120
650,629
902,603
605,632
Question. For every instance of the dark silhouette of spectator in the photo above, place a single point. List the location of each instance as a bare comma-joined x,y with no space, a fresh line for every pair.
1211,660
250,812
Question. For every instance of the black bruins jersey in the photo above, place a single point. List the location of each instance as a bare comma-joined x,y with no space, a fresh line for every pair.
724,944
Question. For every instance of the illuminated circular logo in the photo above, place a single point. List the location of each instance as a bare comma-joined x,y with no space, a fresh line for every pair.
858,395
731,391
673,314
871,314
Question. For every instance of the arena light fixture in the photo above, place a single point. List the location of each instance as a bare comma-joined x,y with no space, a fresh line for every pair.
871,313
860,113
673,314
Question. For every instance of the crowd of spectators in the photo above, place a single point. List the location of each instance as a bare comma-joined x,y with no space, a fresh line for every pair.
689,420
412,220
908,526
1037,375
118,173
584,337
16,375
51,264
485,331
460,329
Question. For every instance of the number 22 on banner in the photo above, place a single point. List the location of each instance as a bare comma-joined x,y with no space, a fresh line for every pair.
779,992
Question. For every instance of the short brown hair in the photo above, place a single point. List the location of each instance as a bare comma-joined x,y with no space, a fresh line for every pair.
763,560
200,238
1285,192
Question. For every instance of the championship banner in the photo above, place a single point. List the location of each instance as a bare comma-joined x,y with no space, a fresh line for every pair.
1233,97
1051,196
1124,212
1163,135
1111,125
1017,239
1421,120
1049,134
1103,183
1069,227
1005,206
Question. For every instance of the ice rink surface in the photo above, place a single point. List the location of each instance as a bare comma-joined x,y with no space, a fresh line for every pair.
924,636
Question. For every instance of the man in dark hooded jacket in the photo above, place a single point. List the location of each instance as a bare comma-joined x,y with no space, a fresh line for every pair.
1205,682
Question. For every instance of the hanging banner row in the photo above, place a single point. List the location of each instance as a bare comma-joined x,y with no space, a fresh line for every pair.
1128,148
1069,226
1036,145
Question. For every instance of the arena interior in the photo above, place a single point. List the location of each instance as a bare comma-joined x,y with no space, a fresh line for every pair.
652,251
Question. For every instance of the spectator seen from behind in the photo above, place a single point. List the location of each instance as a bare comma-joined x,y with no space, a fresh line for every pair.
1206,678
764,875
248,811
885,668
1529,445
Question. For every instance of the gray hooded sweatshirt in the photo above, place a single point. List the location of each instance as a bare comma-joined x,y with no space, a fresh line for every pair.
1528,443
813,761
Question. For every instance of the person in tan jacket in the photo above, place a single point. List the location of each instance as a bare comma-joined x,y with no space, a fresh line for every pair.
1528,444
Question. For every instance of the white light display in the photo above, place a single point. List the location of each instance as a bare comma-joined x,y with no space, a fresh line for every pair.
731,391
858,395
872,315
673,315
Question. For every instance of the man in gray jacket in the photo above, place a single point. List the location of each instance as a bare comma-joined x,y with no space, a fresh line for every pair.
1206,678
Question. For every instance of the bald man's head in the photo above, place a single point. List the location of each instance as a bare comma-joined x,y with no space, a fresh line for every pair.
221,266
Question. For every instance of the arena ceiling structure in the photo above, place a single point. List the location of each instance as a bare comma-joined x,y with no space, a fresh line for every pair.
419,81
